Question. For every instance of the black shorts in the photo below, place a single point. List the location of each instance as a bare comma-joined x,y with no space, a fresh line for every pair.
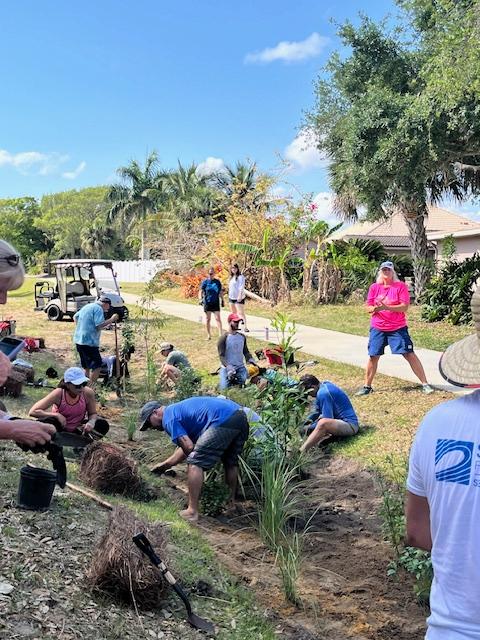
89,356
224,443
211,306
236,301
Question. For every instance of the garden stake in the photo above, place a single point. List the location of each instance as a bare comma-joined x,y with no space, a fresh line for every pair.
117,364
143,543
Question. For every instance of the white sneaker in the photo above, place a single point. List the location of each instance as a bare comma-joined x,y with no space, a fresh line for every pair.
426,388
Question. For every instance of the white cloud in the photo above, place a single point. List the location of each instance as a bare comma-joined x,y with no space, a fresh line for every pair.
289,51
323,202
209,166
33,162
302,153
71,175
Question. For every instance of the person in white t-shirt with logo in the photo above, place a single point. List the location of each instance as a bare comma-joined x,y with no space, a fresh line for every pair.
443,497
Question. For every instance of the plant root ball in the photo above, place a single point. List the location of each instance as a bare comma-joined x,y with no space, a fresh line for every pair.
120,569
106,468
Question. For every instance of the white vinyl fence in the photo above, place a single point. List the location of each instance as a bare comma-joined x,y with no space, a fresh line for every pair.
138,270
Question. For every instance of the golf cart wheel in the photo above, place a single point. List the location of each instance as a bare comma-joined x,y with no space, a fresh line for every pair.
54,313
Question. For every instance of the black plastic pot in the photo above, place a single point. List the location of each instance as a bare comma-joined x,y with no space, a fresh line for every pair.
35,489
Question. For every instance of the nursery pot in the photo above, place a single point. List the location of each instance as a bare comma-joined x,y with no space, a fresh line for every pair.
36,487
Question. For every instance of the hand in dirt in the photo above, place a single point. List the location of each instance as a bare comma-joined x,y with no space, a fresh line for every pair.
88,427
30,433
5,367
160,469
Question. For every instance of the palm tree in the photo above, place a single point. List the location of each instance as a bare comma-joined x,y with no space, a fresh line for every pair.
138,197
97,238
240,183
189,194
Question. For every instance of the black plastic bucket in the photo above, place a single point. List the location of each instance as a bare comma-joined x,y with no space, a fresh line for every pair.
35,489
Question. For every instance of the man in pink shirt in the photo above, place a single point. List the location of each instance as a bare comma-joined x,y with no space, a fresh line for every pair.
387,302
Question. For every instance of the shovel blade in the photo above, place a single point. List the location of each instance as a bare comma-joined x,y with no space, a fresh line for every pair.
201,624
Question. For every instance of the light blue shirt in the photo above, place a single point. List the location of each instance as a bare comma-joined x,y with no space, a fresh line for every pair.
87,321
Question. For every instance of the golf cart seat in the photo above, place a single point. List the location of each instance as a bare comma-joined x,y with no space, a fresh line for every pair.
75,289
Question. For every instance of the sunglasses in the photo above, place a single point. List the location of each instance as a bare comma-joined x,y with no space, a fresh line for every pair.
13,260
79,386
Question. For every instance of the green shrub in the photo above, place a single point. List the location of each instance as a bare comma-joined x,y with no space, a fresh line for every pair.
215,493
189,384
448,295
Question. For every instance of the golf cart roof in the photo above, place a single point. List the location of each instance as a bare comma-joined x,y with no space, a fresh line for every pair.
80,262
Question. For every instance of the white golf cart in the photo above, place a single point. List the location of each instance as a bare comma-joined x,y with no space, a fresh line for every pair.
78,282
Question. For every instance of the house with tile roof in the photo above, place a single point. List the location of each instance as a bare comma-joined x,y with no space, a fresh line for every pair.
393,234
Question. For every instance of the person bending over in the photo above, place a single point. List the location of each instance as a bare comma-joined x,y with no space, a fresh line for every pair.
334,414
72,405
205,430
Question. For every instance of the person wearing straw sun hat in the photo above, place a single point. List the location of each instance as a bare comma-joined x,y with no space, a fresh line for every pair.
443,494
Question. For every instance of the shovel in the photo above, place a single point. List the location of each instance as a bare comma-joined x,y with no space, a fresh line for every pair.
143,543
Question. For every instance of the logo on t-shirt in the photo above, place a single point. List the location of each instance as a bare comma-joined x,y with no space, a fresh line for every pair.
459,472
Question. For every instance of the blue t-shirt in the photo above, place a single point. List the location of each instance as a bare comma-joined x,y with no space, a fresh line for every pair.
192,416
333,402
211,290
87,320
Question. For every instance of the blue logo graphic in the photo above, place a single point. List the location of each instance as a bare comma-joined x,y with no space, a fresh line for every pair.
459,472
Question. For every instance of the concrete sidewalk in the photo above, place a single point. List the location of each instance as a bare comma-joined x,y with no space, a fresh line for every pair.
333,345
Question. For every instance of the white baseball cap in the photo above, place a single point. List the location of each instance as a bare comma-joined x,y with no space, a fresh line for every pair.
75,375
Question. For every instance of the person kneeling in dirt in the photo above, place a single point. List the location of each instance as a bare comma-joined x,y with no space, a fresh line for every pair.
205,430
233,352
175,361
72,406
334,414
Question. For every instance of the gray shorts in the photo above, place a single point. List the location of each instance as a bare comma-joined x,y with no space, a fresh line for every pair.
224,443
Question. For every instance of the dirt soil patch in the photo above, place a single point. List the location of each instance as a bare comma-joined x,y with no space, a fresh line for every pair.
344,586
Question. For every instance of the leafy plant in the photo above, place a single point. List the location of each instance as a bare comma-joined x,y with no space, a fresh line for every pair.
131,420
448,295
188,385
215,493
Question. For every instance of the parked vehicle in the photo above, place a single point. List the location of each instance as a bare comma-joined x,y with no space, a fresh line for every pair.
78,282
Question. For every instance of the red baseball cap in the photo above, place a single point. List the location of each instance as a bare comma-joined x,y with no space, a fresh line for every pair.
234,317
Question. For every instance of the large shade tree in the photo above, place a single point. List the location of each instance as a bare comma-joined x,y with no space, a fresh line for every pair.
391,145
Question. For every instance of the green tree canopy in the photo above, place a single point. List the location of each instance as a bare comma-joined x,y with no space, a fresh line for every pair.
65,216
393,148
18,217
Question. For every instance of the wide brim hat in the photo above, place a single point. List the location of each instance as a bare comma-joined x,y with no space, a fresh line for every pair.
460,363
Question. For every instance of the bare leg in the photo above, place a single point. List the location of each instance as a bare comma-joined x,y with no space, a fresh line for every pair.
233,307
240,309
416,366
231,477
208,315
218,320
326,427
372,365
94,376
195,482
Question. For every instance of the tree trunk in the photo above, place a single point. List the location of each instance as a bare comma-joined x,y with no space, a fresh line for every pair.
414,216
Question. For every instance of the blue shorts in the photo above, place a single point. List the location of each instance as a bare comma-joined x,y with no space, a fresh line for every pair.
399,341
89,356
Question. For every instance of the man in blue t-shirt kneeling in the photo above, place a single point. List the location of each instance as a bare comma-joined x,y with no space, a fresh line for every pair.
334,414
205,430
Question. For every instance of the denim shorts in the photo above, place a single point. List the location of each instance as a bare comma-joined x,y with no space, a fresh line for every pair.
399,341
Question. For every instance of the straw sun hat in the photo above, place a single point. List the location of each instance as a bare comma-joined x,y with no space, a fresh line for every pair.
460,364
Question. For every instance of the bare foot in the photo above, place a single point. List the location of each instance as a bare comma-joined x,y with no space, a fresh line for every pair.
188,514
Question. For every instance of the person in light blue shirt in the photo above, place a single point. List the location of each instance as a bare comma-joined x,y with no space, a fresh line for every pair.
205,430
334,414
89,321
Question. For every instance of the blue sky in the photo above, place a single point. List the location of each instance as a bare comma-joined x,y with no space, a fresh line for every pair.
88,86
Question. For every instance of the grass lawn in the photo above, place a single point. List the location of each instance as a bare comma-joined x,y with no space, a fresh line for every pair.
390,415
347,318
